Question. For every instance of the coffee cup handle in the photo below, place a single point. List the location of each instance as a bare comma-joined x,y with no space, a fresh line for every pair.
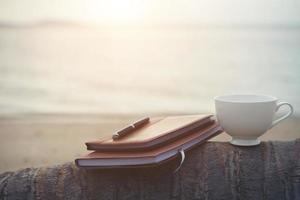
275,122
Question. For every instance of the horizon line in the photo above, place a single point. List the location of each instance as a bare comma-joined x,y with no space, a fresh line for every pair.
49,22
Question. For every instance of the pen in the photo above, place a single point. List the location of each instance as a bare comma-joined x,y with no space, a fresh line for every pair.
130,128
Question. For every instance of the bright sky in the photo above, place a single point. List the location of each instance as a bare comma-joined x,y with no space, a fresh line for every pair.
165,11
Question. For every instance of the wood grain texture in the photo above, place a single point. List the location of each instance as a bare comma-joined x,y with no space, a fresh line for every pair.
210,171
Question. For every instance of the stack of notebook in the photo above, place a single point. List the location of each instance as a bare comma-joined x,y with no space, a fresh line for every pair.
149,141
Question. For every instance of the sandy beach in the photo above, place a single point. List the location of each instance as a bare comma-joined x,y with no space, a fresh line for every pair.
39,140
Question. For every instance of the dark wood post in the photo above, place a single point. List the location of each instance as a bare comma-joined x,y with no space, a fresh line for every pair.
210,171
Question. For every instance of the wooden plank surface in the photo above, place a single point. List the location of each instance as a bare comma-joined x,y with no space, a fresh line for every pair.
213,170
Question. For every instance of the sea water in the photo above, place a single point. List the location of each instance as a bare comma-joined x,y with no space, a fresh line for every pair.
81,69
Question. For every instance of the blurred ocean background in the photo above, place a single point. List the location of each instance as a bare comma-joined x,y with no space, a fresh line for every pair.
72,71
53,67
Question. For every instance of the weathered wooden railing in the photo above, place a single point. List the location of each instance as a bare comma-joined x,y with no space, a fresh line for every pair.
210,171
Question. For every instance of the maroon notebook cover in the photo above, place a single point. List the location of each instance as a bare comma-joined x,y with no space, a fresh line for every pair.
105,159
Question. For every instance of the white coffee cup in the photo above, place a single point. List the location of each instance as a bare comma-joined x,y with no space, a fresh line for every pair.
246,117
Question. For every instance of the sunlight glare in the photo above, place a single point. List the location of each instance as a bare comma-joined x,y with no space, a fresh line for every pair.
118,11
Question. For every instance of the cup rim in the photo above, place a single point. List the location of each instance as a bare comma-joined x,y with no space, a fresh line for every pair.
238,98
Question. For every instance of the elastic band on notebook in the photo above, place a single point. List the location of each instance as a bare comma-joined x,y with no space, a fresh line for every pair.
182,155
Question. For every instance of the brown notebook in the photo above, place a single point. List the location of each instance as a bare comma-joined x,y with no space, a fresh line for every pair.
154,134
105,159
